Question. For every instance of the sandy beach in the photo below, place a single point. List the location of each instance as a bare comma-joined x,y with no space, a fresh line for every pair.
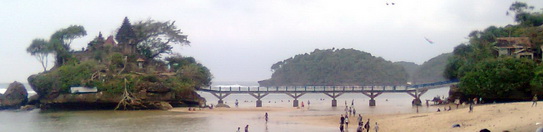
514,117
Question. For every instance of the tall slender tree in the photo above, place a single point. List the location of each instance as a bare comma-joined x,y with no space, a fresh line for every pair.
40,49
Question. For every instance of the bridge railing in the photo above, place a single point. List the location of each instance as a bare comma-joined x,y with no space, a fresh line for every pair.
308,88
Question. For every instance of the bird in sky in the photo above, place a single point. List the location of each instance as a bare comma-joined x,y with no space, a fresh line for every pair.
429,41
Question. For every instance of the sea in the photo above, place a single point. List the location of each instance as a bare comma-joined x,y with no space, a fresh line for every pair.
175,121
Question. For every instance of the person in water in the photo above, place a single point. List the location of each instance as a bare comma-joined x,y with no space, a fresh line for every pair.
266,116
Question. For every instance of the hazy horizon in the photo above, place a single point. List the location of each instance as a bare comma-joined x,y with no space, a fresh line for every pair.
240,40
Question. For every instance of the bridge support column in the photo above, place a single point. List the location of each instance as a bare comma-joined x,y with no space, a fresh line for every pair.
372,95
334,95
295,96
258,96
416,94
220,96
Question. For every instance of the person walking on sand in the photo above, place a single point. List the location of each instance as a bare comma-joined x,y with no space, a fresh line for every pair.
237,102
247,128
266,116
359,120
238,130
346,121
341,120
457,102
534,100
376,127
341,128
367,126
302,103
471,107
354,111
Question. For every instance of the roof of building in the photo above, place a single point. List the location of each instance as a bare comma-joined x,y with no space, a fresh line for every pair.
110,41
513,42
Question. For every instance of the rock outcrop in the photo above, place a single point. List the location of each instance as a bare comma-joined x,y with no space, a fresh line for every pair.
14,97
149,96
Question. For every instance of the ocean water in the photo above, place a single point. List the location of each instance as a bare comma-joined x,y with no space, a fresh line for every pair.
156,120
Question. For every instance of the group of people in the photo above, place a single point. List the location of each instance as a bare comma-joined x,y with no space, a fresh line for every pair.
246,129
344,124
247,126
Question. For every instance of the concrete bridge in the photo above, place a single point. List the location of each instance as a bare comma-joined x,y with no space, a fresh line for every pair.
332,91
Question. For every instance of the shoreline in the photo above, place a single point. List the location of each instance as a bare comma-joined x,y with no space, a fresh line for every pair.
517,116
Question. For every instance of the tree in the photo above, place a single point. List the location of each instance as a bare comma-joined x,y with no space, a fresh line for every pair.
61,41
126,33
67,35
499,78
40,49
153,38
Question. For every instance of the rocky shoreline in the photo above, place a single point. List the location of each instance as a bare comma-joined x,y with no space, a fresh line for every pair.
16,98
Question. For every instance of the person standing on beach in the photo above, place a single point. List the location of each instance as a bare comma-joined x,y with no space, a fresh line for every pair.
350,111
302,103
376,127
367,126
360,120
341,128
534,100
237,103
354,111
266,116
352,103
247,128
238,130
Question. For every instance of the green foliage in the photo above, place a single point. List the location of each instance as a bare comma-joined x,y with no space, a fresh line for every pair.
537,81
76,74
66,76
198,74
153,38
498,78
177,61
335,67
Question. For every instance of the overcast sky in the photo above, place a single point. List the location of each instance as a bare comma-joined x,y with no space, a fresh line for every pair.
240,40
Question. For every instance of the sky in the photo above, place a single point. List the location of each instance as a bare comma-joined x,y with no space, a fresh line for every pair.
240,40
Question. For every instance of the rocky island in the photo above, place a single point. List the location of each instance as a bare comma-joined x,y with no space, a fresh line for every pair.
135,69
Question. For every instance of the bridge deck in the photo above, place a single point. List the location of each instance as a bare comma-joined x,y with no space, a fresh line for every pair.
310,89
327,89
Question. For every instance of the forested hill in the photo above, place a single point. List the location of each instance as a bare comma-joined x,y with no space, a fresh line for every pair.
431,70
335,67
410,68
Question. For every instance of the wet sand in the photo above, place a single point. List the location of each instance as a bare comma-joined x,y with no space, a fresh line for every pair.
515,117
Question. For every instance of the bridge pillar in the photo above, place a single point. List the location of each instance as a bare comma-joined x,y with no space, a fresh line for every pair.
295,96
334,95
258,96
221,96
258,103
372,102
416,94
372,95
